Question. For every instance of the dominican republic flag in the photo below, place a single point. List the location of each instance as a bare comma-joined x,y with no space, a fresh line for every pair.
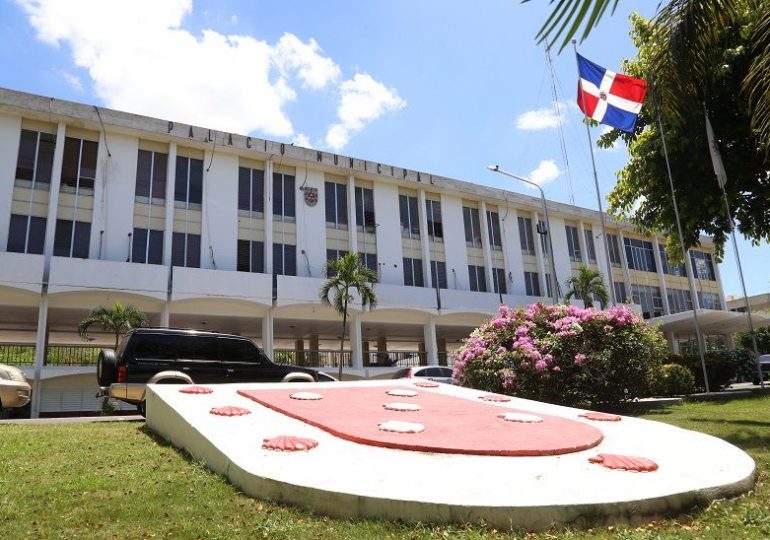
608,97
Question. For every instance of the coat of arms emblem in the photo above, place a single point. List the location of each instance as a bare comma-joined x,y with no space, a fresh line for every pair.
311,195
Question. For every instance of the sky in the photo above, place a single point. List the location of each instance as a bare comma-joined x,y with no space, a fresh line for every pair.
440,86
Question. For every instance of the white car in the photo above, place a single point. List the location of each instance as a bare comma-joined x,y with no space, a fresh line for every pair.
764,365
433,373
15,391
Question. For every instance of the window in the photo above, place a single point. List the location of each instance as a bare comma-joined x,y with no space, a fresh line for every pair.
410,223
26,234
333,255
498,281
525,236
493,228
435,226
438,274
573,244
590,246
188,186
531,284
186,250
34,163
336,205
614,249
78,165
619,288
72,241
679,300
147,246
709,300
472,227
649,298
669,268
251,190
477,277
549,290
150,176
413,272
365,209
542,231
285,259
702,265
251,256
639,255
369,260
284,202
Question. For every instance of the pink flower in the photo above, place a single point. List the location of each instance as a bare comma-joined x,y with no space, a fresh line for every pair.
557,369
579,359
501,350
540,365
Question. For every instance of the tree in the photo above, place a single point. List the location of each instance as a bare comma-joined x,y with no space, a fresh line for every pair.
642,194
585,283
118,319
348,274
762,335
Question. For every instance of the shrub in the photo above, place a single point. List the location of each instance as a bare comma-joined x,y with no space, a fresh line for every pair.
563,354
722,366
674,380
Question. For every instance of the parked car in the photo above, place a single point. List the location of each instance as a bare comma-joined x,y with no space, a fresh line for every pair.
163,355
764,365
325,377
434,373
15,391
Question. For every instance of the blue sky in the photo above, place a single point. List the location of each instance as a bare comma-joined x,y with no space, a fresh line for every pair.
440,86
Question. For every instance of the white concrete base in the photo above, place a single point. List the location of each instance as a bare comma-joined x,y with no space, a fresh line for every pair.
346,479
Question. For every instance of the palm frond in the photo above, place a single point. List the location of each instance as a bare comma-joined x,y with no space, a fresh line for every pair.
564,21
757,82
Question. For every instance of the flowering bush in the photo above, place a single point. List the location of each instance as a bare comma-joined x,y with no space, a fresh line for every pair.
563,354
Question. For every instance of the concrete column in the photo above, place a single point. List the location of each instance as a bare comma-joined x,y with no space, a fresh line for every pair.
673,342
299,351
53,200
267,333
352,225
314,357
430,346
424,239
165,315
41,344
718,275
485,246
170,184
268,213
365,353
582,243
101,183
382,351
540,256
355,341
661,276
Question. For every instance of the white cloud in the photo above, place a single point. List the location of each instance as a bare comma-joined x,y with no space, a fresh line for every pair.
545,173
300,139
362,100
73,81
142,60
542,118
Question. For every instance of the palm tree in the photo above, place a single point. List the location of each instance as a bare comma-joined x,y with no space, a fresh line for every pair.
348,274
118,319
585,283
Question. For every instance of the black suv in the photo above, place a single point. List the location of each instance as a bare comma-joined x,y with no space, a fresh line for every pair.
163,355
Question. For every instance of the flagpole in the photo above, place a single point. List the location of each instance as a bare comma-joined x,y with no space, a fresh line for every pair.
605,240
693,296
722,180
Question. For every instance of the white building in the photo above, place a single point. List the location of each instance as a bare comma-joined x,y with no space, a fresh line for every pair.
214,230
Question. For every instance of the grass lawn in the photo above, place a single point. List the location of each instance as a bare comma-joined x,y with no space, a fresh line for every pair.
115,480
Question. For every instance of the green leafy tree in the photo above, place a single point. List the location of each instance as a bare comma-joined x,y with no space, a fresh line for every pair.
346,275
118,319
743,339
585,283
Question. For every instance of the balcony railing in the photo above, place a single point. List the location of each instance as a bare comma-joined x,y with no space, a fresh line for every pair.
23,354
314,358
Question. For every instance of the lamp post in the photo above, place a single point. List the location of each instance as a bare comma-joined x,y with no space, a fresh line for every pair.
554,281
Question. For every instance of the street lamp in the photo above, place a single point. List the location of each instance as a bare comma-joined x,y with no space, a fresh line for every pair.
554,281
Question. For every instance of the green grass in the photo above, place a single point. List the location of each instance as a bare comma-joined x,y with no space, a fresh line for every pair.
114,480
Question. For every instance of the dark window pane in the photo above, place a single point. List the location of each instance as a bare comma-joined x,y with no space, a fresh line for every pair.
82,239
238,350
257,190
408,274
143,173
290,260
139,246
69,170
159,170
278,259
403,212
45,151
25,161
419,281
17,233
177,249
36,235
244,188
180,181
88,164
62,238
193,256
277,194
244,256
196,181
342,204
330,202
258,257
156,247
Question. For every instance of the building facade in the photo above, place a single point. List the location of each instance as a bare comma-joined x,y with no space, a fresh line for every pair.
212,230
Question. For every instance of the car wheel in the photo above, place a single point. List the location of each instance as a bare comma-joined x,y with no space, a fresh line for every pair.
107,368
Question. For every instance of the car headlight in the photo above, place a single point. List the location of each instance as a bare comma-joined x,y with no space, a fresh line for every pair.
11,374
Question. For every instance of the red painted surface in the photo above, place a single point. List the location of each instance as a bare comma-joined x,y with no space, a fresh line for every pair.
452,425
625,463
601,417
196,390
229,410
495,398
289,443
426,384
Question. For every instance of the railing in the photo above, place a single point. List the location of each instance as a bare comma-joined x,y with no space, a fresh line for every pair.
23,354
395,359
314,358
